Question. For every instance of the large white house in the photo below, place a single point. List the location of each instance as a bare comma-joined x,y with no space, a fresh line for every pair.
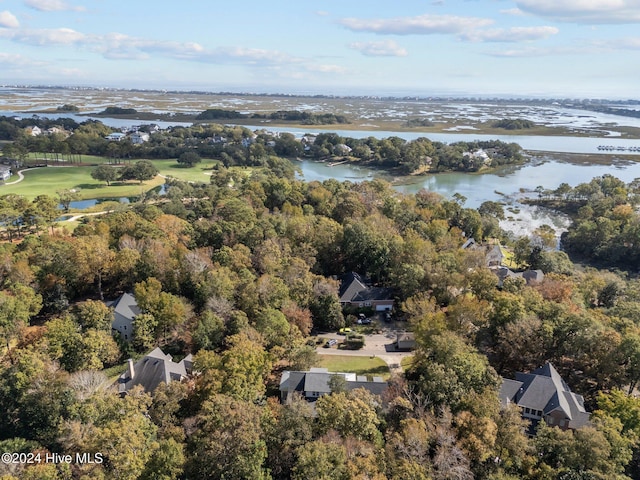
115,137
138,138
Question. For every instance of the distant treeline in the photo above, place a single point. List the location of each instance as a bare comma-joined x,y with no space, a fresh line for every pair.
67,108
625,112
118,111
419,122
513,124
305,118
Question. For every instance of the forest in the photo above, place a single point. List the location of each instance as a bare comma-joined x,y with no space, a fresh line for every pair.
240,272
605,228
239,146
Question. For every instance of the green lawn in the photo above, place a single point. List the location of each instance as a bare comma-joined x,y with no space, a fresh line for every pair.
406,363
199,173
358,365
48,180
38,157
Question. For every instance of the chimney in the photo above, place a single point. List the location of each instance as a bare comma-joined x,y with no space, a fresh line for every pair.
132,371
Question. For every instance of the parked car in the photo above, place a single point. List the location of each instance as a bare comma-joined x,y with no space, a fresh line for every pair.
330,343
387,317
364,321
345,331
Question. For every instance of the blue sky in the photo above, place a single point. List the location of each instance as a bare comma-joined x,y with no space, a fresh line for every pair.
553,48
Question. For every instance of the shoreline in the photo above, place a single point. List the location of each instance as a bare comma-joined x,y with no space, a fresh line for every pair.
626,132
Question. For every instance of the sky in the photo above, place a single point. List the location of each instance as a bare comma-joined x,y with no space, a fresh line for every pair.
522,48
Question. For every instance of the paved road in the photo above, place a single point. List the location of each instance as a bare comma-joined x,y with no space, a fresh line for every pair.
376,345
81,215
21,176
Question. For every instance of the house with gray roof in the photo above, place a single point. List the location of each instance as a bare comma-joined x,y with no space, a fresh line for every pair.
406,341
125,310
152,370
495,256
355,291
544,395
316,382
531,277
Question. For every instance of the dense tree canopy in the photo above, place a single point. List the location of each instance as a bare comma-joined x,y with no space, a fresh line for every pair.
240,270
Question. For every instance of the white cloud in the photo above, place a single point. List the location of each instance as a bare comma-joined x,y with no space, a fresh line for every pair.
222,55
326,68
387,48
15,60
584,11
627,43
52,6
117,46
546,52
510,35
59,36
8,20
420,25
516,12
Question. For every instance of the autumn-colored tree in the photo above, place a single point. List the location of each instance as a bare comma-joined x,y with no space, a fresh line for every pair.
93,259
17,305
287,427
349,414
228,441
316,459
92,314
298,317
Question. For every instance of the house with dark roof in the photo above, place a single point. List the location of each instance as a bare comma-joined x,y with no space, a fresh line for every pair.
125,309
152,370
470,244
316,382
531,277
356,292
406,341
544,395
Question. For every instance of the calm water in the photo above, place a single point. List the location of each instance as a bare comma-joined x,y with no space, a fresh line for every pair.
505,185
507,181
88,203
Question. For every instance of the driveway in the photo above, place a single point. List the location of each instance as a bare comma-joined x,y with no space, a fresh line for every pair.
375,345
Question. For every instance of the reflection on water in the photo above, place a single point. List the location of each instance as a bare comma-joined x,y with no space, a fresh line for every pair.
90,202
478,188
506,185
